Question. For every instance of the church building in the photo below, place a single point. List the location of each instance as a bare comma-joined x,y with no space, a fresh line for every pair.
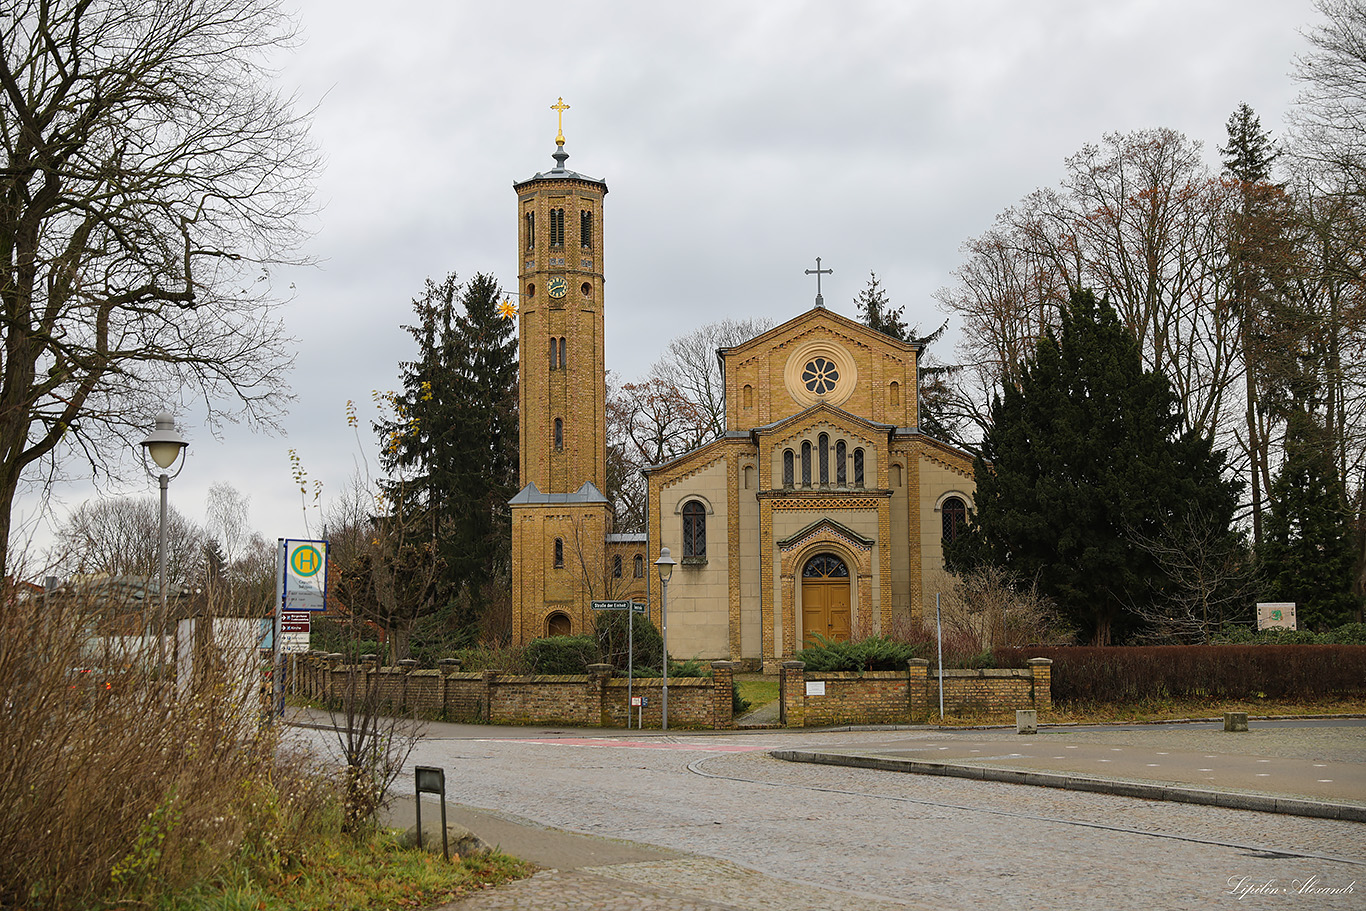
821,511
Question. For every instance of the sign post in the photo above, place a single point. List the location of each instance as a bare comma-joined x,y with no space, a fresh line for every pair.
631,608
300,587
431,780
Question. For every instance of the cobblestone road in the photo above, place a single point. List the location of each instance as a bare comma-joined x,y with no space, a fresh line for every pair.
766,834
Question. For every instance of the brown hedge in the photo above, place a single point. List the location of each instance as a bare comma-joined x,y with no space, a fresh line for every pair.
1130,674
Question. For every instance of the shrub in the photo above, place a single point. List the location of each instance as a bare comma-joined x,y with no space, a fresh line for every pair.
611,631
1137,673
562,654
876,653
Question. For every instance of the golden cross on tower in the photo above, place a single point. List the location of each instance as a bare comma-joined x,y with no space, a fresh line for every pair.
560,107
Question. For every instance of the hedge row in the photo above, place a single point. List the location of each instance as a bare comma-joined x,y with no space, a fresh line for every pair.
1129,674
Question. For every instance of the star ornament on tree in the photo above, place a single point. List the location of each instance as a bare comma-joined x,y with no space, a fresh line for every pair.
507,309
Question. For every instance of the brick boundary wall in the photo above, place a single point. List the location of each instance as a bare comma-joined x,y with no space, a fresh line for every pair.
596,699
910,696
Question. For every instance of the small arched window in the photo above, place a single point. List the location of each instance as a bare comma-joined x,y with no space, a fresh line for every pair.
559,433
640,566
895,473
788,472
841,475
806,463
557,227
530,230
858,467
748,396
559,553
894,393
564,361
616,567
586,230
823,444
955,513
749,477
694,529
554,362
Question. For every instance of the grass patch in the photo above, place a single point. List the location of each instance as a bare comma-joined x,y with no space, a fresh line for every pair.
757,689
372,873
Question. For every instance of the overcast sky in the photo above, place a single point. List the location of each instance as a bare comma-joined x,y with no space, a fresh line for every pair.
739,141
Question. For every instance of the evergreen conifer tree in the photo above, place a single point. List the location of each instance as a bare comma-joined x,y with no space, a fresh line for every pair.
1308,554
451,447
1083,458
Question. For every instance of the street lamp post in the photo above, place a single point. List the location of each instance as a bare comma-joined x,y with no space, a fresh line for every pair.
164,446
666,565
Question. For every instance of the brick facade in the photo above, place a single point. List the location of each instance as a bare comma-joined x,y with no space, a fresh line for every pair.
742,600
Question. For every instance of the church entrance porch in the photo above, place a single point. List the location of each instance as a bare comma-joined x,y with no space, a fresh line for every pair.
825,599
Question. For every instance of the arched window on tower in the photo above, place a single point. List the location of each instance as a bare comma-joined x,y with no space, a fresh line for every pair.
557,227
564,361
823,443
858,467
955,513
559,553
894,393
640,566
806,463
748,396
586,229
553,349
616,566
559,433
788,459
694,529
530,230
841,475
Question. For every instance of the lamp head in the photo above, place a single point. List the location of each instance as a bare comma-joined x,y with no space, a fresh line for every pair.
163,444
665,564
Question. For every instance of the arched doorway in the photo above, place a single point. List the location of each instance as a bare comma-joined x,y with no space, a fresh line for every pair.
557,624
825,598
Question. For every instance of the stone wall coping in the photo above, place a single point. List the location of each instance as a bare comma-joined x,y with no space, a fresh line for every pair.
986,672
857,675
1039,661
658,682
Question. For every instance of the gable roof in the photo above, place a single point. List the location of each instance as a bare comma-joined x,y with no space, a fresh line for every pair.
828,317
812,413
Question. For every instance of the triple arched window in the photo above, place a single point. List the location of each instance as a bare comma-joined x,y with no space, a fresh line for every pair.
822,457
694,529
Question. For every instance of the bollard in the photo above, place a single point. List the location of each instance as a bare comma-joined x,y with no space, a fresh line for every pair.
1026,721
1235,721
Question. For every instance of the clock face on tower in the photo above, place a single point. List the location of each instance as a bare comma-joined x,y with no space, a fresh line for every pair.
558,287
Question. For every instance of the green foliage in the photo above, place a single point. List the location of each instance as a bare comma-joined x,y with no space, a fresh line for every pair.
451,445
350,639
562,654
876,653
1309,550
611,631
738,703
1085,455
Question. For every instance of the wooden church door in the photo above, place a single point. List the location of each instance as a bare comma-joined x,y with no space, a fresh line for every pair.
825,598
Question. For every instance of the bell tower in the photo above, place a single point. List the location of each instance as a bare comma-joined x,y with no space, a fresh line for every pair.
560,518
560,333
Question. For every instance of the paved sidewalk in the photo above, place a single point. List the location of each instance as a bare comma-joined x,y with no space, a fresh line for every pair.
1306,768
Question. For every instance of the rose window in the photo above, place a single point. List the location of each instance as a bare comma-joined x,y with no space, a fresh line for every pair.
820,375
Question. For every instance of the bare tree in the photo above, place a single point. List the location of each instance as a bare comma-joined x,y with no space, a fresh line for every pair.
119,538
151,176
692,366
1330,114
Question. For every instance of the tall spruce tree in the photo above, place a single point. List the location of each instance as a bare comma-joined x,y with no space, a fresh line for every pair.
1308,555
451,447
1082,460
876,312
